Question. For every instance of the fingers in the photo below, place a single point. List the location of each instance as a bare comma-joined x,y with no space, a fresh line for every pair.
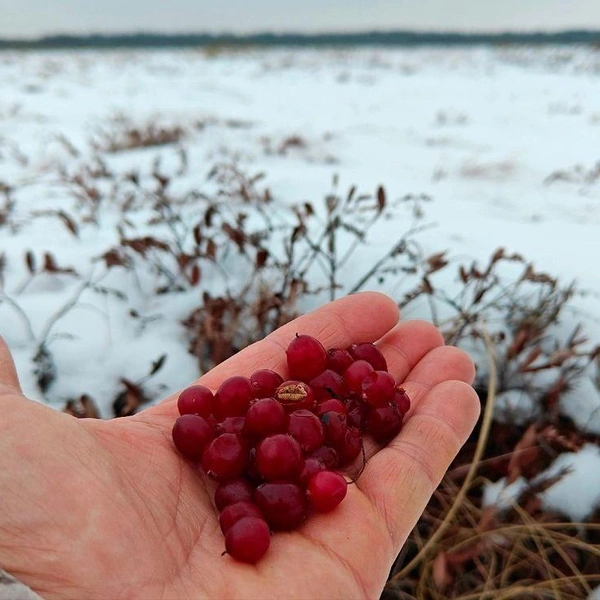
401,478
8,373
362,317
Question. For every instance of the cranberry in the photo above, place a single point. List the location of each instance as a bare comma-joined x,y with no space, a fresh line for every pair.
379,388
233,397
326,490
339,360
225,457
283,504
279,457
234,512
232,491
355,375
191,434
402,401
265,382
196,400
230,425
350,447
332,404
328,384
312,466
334,426
307,429
265,417
370,353
248,540
357,413
327,455
306,358
384,423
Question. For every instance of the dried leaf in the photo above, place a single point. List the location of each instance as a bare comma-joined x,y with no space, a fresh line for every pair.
195,275
158,364
381,200
30,260
69,223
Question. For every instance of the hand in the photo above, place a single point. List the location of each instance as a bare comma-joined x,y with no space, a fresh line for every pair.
107,509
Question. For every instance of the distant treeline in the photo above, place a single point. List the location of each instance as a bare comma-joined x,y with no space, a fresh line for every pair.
375,38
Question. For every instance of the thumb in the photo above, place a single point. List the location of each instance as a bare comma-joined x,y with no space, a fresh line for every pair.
8,373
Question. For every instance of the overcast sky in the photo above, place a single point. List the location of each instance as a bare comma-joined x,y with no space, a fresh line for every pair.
26,18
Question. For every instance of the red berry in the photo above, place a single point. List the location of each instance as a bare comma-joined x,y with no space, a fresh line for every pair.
283,504
306,358
234,512
384,423
248,540
312,466
402,401
294,395
307,429
191,434
232,491
326,490
371,354
196,400
327,455
331,404
378,388
355,375
334,427
279,457
350,447
233,397
265,417
230,425
328,384
338,360
225,457
265,382
357,411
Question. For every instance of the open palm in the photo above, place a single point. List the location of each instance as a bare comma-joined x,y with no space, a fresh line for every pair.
107,509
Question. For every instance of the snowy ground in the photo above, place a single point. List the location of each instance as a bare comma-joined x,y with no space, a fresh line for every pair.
483,132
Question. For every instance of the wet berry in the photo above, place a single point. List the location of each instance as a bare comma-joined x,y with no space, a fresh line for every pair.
328,384
234,512
306,358
196,400
339,360
350,447
233,491
265,417
312,466
283,504
384,423
191,434
378,388
248,539
265,382
355,374
279,457
307,429
371,354
326,490
402,401
230,425
327,455
225,457
331,405
334,427
233,397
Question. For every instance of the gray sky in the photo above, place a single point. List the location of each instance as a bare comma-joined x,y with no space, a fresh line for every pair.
26,18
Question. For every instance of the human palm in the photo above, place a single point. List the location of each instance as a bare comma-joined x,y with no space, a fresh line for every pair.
107,509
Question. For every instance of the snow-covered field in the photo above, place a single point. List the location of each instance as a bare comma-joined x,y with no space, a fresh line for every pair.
506,143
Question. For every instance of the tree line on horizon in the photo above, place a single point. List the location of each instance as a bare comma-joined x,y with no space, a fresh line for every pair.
373,38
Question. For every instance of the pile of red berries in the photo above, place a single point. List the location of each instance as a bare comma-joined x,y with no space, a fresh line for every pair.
273,445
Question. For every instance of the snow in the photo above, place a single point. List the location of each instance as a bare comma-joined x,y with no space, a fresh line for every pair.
479,131
577,494
501,495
